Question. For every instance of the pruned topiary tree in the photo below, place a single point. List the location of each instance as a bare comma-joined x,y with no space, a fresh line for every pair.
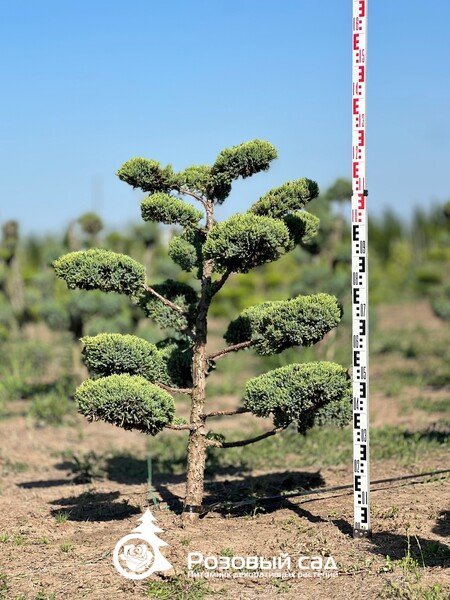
133,381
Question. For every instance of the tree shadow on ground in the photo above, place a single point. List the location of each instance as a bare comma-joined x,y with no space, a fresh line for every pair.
94,506
244,495
259,506
230,485
428,552
433,433
431,553
43,483
239,486
247,486
442,526
128,469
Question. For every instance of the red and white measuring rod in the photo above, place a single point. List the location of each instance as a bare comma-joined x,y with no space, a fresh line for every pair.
360,282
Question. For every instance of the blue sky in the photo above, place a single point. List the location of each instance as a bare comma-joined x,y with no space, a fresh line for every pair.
88,84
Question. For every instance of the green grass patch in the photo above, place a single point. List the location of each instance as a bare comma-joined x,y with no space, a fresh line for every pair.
66,547
432,405
61,517
52,409
43,595
12,467
408,590
411,344
180,588
4,586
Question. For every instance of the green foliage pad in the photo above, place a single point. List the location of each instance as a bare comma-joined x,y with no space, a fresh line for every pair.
169,210
183,252
243,161
112,353
177,359
177,292
246,241
196,179
274,326
147,174
302,226
103,270
301,393
128,401
291,196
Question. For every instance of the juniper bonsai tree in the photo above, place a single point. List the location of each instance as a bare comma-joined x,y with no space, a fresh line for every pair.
133,381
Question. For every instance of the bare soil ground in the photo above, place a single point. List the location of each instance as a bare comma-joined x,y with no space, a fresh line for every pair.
57,536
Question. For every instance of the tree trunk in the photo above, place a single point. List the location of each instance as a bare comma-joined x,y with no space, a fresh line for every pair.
195,475
197,443
196,455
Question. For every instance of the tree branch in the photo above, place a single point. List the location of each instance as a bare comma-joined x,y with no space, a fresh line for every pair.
209,206
220,413
165,301
263,436
217,285
229,349
189,193
183,427
174,390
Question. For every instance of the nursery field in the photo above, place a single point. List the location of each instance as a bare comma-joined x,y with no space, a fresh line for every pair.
71,489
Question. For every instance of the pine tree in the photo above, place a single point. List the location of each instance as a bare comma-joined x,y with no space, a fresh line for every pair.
134,381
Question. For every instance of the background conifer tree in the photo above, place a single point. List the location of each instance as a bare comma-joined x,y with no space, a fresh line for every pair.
11,281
